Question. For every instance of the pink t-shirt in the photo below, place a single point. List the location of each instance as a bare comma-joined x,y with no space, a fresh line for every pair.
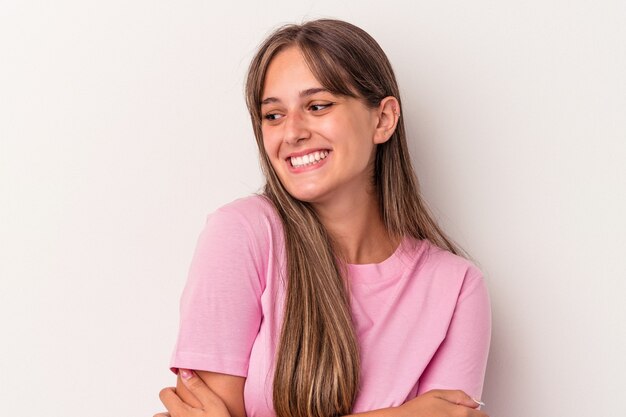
422,316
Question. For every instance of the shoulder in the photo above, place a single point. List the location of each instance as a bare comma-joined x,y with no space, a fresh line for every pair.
250,206
243,235
452,273
444,261
252,220
254,211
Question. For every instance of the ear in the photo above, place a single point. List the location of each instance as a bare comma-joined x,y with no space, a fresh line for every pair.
388,113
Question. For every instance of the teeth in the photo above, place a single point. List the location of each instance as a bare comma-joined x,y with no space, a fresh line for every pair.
309,159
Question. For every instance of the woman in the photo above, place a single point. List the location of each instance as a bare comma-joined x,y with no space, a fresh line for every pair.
333,292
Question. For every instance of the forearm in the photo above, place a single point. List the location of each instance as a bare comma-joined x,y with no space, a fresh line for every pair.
439,403
227,387
383,412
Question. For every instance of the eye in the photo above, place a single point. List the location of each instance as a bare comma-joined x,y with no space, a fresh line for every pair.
319,107
271,116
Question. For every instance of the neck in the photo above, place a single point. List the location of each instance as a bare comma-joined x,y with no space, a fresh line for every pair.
357,229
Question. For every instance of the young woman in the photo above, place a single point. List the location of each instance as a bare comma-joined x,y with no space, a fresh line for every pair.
334,291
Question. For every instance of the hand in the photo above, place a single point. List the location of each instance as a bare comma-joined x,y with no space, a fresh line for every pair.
442,403
211,405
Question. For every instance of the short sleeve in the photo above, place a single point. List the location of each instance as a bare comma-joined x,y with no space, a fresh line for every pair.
220,308
461,360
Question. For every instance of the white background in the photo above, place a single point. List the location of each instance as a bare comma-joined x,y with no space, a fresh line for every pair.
122,124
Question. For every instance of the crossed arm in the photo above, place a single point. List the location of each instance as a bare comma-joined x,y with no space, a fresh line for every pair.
461,357
223,398
209,394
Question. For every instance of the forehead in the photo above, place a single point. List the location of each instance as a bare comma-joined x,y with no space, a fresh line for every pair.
288,73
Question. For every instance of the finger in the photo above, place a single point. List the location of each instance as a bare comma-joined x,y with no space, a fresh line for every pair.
198,388
172,402
162,415
479,402
458,397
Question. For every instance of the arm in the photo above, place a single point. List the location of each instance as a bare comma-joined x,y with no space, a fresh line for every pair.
220,311
461,360
435,403
228,387
220,307
193,397
456,372
202,401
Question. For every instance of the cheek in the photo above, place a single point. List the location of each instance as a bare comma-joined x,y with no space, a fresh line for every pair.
352,128
269,143
271,147
330,128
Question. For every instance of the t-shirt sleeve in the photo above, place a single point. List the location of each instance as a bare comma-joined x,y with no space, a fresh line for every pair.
220,307
461,360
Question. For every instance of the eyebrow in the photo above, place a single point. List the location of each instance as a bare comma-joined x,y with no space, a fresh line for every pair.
303,93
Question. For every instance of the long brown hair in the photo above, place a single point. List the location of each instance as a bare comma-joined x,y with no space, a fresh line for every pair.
317,365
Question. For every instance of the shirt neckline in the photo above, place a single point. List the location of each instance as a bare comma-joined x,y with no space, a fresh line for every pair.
390,268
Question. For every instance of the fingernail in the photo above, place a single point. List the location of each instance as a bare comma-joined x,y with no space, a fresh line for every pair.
482,404
186,373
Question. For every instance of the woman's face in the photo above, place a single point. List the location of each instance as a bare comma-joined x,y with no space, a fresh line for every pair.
321,145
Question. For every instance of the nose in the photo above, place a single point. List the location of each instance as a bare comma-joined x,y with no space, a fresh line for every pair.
295,128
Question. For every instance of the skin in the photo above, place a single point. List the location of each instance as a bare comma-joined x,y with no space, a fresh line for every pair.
299,116
340,189
203,401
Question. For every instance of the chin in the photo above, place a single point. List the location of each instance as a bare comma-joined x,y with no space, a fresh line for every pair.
306,197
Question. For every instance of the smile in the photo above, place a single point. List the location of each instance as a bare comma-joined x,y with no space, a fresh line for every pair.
308,159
